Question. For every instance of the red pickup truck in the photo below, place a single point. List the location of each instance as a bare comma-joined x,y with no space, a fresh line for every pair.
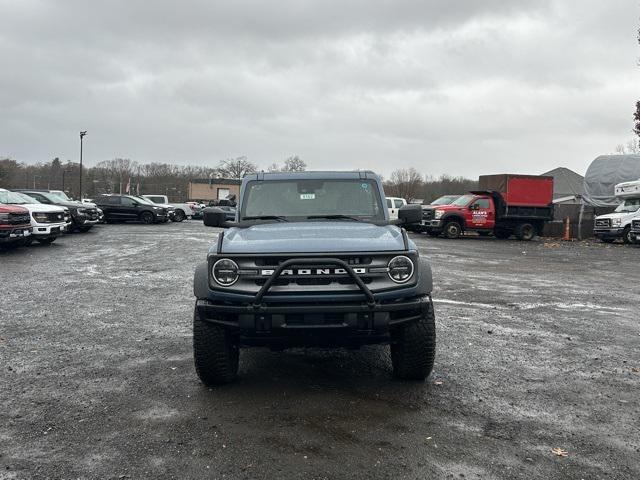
15,225
506,205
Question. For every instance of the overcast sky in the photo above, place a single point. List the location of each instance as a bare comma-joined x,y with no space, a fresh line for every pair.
465,87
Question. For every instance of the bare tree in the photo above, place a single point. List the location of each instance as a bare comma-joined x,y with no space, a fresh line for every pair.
274,167
294,164
631,147
405,183
236,167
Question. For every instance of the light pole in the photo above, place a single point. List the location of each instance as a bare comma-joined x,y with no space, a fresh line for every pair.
82,134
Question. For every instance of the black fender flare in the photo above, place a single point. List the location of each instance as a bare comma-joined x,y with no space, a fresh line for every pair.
425,277
201,281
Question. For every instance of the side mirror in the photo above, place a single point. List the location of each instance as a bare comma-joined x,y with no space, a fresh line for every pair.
410,214
213,217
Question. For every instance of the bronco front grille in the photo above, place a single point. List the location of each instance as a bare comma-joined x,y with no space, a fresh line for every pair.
603,222
49,217
320,277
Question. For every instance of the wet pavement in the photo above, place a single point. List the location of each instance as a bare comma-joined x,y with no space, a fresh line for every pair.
538,349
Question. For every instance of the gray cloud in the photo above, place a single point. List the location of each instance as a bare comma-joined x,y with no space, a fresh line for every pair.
461,87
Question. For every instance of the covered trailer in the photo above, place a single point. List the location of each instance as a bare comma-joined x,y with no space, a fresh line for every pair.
602,176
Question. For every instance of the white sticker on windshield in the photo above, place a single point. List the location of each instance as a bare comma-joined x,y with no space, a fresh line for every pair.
307,196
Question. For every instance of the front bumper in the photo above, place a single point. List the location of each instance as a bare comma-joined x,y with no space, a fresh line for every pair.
300,324
613,232
432,223
45,230
10,235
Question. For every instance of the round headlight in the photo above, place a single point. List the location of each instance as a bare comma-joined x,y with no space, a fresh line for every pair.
400,269
225,272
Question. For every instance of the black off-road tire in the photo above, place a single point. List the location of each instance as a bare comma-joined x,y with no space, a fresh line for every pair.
525,232
413,348
215,354
626,236
453,230
146,217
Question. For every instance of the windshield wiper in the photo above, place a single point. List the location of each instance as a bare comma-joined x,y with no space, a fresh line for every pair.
336,217
266,217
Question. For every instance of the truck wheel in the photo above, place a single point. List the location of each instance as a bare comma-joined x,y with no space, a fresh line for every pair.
525,232
413,348
452,230
215,355
179,216
627,237
146,217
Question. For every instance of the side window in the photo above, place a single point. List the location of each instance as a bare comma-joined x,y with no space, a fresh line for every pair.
111,200
389,204
128,202
156,199
399,203
482,204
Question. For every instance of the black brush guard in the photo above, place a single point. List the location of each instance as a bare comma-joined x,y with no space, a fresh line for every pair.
369,315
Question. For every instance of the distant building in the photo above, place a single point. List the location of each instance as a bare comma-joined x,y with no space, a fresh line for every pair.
567,184
213,188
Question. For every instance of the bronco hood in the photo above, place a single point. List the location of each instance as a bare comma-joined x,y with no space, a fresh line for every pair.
313,237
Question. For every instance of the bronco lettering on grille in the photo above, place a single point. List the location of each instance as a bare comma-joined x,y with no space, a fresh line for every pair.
313,271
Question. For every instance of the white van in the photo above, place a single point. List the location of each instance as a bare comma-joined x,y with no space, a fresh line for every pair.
618,224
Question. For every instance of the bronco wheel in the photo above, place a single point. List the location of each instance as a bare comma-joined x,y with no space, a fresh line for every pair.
627,237
179,216
413,348
452,230
525,232
215,354
146,217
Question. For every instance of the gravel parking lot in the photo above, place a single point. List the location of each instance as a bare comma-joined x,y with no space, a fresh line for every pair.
538,349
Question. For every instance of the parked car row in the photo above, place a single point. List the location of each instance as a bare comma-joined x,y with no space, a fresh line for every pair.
24,219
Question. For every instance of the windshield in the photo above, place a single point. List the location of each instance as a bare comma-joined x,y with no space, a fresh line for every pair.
306,197
16,198
60,194
463,200
629,206
445,200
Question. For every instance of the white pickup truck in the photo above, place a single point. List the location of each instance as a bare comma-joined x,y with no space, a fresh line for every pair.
180,210
619,223
393,205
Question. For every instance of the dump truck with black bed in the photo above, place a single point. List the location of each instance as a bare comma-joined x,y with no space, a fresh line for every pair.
312,259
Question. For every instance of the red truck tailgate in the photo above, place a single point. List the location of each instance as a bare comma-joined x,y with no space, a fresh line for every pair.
520,190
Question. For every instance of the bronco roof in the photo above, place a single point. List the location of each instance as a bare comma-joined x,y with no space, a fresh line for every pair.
311,174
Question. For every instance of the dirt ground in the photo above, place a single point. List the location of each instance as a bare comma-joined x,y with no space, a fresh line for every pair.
538,348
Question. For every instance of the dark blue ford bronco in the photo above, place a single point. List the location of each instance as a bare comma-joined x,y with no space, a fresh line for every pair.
312,259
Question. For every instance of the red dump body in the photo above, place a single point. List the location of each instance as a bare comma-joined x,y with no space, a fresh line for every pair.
520,190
